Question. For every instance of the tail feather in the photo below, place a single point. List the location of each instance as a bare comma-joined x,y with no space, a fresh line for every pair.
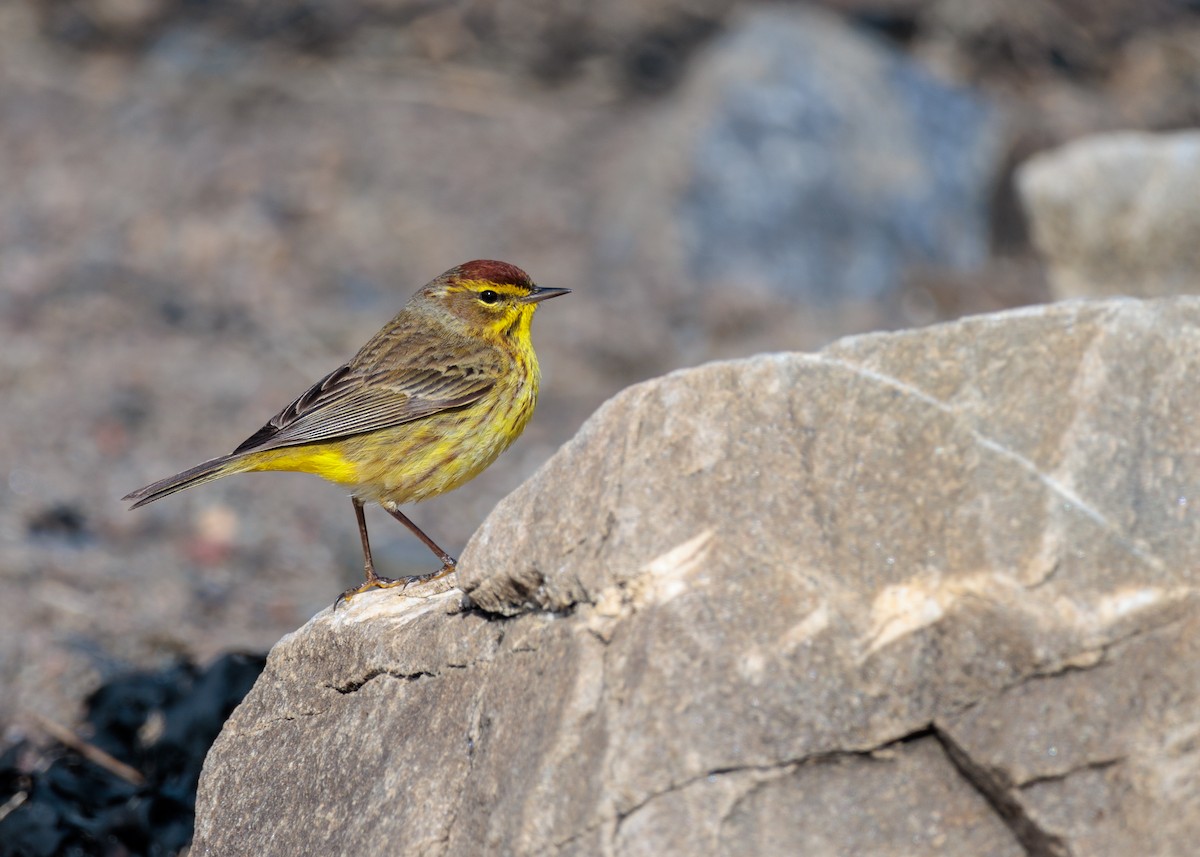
198,475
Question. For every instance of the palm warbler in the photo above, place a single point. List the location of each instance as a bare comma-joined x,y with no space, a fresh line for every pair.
426,405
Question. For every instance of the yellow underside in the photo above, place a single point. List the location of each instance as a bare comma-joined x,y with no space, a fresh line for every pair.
327,461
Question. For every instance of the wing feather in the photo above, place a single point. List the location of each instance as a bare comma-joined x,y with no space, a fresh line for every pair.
359,397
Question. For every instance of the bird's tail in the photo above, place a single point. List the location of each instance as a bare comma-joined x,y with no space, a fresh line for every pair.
198,475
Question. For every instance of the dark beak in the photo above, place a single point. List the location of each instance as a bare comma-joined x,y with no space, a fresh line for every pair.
539,294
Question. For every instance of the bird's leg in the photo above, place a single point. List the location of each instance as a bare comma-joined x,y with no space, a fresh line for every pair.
448,562
373,580
368,561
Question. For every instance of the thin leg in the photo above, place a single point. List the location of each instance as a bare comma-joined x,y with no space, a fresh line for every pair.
368,562
446,559
373,580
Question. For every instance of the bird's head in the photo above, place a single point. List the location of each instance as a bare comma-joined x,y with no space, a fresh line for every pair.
493,299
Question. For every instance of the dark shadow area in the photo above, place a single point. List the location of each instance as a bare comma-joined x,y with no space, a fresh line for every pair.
70,800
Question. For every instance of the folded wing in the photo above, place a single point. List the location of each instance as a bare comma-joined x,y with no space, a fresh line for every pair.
357,398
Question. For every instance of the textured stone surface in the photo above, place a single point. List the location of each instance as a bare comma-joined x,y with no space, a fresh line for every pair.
931,592
1118,214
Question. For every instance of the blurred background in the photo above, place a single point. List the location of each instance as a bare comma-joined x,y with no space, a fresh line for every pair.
205,205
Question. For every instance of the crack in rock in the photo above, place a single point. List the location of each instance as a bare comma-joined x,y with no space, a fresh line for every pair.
357,684
779,768
1059,776
994,787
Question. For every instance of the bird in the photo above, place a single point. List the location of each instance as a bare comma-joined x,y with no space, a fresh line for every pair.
426,405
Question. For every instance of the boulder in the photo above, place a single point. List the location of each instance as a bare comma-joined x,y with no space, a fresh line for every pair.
925,592
768,170
1118,214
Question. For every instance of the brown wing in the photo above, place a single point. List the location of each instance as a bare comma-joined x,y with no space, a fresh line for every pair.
359,396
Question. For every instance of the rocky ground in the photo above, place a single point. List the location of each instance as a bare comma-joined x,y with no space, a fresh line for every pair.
207,206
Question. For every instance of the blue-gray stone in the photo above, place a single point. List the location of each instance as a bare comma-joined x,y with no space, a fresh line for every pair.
828,163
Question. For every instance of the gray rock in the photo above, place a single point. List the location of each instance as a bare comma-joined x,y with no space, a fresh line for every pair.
1118,214
809,160
930,592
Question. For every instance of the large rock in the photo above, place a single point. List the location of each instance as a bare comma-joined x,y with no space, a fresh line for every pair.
769,170
931,592
1118,214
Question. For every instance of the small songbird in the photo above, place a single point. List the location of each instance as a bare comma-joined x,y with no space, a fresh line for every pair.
426,405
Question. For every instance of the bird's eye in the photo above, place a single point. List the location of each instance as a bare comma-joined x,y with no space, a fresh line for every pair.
488,296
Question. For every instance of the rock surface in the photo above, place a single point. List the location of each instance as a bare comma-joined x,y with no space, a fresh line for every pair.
929,592
1118,214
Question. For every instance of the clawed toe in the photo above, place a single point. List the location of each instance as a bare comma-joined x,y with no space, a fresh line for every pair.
392,582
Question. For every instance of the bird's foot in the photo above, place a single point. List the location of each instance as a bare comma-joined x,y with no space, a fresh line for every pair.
376,582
